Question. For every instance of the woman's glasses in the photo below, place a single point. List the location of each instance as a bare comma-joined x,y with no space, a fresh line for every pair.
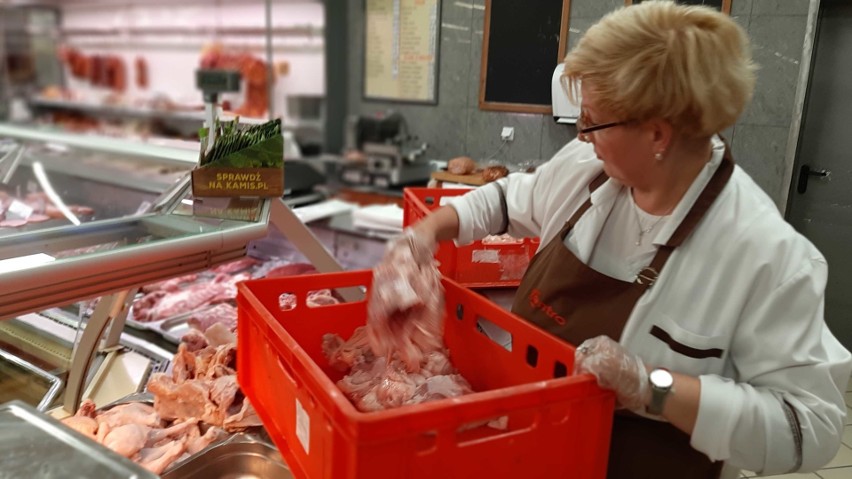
584,128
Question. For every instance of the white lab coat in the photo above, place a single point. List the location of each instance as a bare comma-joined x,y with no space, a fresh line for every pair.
745,282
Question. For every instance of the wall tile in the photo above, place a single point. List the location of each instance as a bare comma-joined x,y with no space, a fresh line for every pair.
780,7
784,36
577,28
760,151
454,68
594,8
476,26
774,92
741,7
554,136
443,129
483,139
456,125
458,12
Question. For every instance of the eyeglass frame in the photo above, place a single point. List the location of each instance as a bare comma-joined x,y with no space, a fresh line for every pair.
583,131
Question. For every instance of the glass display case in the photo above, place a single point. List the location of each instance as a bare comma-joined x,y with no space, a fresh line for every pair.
87,217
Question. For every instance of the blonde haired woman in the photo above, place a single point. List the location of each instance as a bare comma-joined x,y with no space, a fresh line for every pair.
688,293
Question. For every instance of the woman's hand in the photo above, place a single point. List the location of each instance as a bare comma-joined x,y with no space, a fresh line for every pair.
419,243
615,369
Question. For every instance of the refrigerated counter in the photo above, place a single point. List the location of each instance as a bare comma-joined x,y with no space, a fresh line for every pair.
133,222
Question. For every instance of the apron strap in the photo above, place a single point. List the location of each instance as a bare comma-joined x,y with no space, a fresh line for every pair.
646,278
594,185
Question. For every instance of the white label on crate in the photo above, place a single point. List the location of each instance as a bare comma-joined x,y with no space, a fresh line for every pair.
303,427
485,256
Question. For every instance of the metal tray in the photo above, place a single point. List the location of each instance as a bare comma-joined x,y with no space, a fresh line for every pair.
173,329
242,456
36,445
32,377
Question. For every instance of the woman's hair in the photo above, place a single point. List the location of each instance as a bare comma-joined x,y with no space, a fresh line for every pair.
690,65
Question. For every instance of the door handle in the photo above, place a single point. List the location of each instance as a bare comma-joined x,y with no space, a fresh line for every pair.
805,173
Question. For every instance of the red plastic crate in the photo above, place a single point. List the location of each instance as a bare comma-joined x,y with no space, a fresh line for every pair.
557,426
476,265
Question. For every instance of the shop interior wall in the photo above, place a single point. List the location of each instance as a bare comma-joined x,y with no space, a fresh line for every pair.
456,126
172,59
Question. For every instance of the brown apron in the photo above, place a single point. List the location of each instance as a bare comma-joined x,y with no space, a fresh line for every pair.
562,295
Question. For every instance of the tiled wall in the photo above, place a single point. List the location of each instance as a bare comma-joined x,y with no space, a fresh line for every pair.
456,126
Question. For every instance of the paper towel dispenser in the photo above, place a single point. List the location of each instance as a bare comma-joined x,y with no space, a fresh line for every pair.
563,110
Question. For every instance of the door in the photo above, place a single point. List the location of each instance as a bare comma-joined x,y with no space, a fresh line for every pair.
820,205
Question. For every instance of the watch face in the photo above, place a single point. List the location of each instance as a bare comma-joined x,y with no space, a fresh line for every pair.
661,378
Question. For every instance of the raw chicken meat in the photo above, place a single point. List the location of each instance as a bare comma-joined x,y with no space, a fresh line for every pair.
405,310
399,357
157,459
127,439
82,424
203,385
374,383
136,431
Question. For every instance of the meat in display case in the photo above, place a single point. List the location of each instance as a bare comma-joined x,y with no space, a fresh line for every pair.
124,246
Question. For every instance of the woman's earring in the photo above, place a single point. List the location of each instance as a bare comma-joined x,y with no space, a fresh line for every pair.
658,156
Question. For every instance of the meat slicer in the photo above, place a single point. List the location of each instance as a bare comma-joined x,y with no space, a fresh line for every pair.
384,154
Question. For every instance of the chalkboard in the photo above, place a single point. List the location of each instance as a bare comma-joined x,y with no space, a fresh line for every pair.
721,5
522,43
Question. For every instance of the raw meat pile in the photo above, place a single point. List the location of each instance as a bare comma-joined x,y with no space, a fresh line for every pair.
173,298
136,431
195,405
35,208
374,383
398,358
203,385
192,292
209,295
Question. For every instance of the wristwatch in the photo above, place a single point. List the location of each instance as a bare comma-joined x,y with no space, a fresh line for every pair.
661,385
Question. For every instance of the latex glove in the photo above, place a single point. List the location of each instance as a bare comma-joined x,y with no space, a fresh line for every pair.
396,276
420,244
616,369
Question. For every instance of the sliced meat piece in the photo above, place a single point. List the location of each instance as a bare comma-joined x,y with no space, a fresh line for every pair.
12,223
171,285
232,267
37,218
220,335
221,313
294,269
